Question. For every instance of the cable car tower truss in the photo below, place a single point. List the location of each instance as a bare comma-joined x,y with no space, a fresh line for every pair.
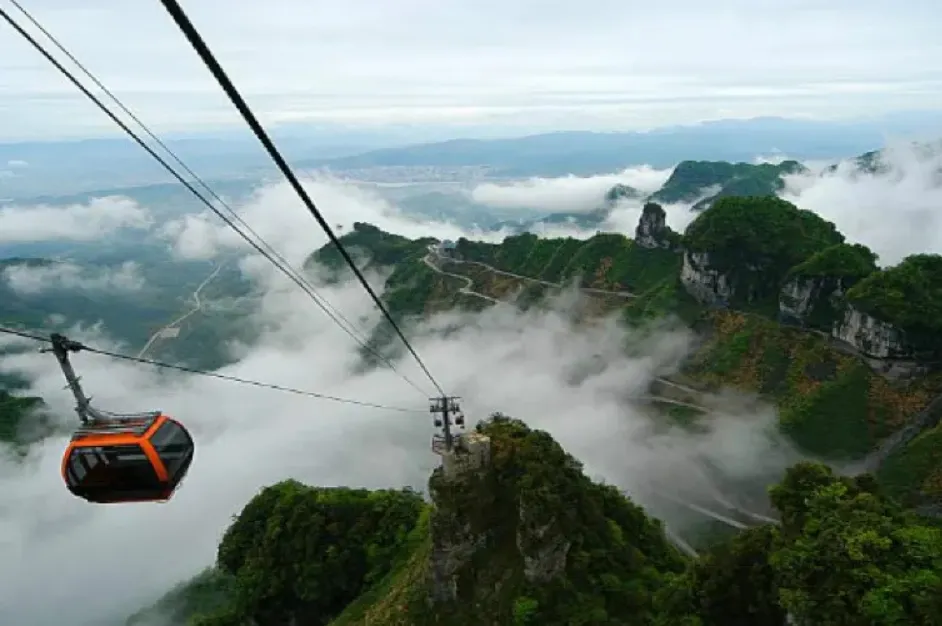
443,408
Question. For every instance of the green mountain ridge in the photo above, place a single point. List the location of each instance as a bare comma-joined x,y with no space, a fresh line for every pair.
525,537
690,178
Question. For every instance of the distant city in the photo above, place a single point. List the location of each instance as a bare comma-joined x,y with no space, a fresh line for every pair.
412,174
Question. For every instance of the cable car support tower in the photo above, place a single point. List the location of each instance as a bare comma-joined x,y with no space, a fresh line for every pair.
461,451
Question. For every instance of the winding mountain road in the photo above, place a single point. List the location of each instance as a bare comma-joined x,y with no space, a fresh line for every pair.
433,251
466,290
197,307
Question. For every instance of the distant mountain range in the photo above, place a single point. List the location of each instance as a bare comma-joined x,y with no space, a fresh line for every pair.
63,167
585,153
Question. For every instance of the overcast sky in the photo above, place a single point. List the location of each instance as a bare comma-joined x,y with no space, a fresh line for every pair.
594,63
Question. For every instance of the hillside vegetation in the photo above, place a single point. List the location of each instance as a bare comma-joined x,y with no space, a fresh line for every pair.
297,554
529,539
14,410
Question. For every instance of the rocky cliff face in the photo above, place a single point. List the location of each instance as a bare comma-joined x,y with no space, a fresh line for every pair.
703,282
541,543
454,544
797,299
466,533
815,302
819,303
872,337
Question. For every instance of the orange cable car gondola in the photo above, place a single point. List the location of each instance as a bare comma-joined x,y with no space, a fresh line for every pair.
121,458
128,459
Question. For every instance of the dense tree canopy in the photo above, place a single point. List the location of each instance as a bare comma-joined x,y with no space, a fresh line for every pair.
850,557
303,553
844,556
845,261
908,295
755,241
732,584
13,411
767,232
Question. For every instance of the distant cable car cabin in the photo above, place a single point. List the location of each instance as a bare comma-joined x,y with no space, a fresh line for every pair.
129,459
121,458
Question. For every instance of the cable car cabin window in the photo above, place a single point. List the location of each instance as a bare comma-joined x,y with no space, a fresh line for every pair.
118,468
174,447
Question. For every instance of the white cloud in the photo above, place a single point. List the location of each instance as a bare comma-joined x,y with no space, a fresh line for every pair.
27,279
566,194
774,158
460,61
16,163
276,213
573,194
895,213
79,222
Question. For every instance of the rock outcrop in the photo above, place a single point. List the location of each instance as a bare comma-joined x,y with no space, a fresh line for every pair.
703,282
652,230
797,299
541,543
813,302
813,293
620,192
872,337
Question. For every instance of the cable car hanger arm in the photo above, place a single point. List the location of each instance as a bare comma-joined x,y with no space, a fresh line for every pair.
61,346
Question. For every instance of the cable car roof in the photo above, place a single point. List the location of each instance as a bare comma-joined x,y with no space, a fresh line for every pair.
135,425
